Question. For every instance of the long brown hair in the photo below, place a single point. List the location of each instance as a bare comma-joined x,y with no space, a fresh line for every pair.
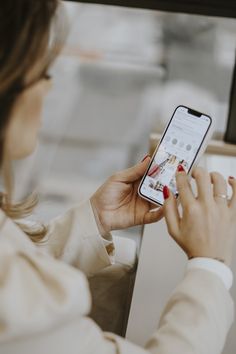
31,32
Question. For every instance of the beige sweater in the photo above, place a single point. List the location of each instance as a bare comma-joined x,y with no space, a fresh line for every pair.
44,300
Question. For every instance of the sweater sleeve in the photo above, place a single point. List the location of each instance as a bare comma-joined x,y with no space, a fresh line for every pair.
196,320
74,238
197,317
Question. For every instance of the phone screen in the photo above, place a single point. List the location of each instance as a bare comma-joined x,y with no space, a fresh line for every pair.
180,144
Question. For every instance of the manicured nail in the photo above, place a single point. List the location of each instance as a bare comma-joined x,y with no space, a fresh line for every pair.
231,177
166,192
153,170
180,168
145,157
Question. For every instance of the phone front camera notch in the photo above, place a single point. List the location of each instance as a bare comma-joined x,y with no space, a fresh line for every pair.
194,113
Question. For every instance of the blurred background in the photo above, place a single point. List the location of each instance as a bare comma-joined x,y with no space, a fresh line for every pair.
119,78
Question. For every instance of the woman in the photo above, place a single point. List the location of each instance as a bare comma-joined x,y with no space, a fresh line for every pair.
43,291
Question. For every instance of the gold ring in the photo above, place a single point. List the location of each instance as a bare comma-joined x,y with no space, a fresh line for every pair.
223,196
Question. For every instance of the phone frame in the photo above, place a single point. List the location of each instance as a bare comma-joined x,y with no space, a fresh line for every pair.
194,113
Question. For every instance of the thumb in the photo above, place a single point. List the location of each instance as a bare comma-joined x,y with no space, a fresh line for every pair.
134,173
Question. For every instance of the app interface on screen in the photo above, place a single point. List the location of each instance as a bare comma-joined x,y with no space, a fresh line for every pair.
179,146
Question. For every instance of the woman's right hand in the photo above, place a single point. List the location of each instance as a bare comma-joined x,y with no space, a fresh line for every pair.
207,227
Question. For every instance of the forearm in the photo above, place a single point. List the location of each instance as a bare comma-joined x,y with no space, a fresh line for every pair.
75,239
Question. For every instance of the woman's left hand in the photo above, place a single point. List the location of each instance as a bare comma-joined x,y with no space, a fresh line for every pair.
117,205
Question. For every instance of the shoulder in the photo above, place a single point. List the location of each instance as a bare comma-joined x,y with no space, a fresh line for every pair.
36,291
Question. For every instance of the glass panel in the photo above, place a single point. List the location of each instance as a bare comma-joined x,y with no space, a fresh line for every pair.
119,78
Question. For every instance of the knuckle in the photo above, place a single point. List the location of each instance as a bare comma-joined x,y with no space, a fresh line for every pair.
191,210
114,177
181,189
167,208
217,177
181,180
199,172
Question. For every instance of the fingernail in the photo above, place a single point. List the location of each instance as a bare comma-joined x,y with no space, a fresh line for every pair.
166,192
145,157
153,170
231,177
180,168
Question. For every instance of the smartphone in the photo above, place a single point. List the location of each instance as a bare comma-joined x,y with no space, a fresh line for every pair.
181,143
